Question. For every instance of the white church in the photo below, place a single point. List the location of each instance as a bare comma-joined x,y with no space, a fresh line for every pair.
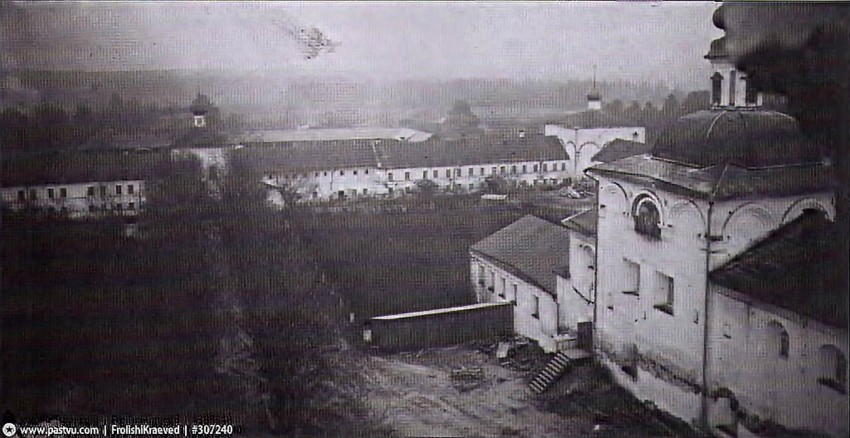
717,294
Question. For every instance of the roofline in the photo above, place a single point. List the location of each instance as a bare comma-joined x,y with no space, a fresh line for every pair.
774,309
513,270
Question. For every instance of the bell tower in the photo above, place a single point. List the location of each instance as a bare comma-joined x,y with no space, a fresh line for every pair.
729,86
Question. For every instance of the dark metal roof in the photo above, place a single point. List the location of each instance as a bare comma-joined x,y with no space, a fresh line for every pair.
584,222
530,248
747,138
391,154
310,156
717,49
80,167
796,268
498,148
592,119
721,181
619,149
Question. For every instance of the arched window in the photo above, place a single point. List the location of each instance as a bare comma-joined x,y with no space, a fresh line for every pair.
778,342
716,83
832,368
647,218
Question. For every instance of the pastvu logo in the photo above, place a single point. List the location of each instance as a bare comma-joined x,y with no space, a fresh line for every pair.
9,429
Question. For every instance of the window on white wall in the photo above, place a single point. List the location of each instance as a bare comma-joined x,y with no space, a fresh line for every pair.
515,294
647,218
665,293
832,368
535,306
504,288
632,278
778,342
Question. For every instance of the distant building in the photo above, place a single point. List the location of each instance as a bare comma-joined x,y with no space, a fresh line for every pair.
584,134
200,107
346,169
79,185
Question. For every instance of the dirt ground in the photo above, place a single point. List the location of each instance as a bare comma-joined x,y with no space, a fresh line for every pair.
413,395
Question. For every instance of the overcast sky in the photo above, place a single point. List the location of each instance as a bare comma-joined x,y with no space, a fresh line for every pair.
380,40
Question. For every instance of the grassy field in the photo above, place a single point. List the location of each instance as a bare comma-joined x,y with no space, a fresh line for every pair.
400,262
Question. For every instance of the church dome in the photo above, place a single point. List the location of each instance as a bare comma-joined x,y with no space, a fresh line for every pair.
718,18
201,105
742,137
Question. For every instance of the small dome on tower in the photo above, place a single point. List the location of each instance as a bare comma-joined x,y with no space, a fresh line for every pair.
719,18
201,105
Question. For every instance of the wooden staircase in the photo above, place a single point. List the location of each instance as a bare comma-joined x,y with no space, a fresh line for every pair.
554,369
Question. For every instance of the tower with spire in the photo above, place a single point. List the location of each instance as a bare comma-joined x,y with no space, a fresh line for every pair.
594,98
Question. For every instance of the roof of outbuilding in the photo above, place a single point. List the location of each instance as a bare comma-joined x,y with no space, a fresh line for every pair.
619,149
796,268
80,167
747,138
530,248
592,119
584,222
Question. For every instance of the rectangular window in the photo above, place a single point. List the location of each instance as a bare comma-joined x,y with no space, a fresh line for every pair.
341,172
732,76
632,278
545,168
515,294
665,293
472,187
365,191
366,171
119,206
457,172
118,189
493,170
130,189
436,174
102,191
481,172
424,174
448,173
535,307
22,195
534,169
407,176
355,173
131,206
513,170
390,176
50,193
471,171
563,167
90,191
33,195
502,170
504,288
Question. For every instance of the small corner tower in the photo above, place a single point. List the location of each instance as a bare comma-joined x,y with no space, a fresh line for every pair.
200,107
594,99
729,87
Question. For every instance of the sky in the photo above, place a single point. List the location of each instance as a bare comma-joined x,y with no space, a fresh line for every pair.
376,40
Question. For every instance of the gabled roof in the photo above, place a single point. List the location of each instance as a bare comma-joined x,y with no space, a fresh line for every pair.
495,148
80,167
292,135
592,119
584,222
310,156
530,248
797,267
619,149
